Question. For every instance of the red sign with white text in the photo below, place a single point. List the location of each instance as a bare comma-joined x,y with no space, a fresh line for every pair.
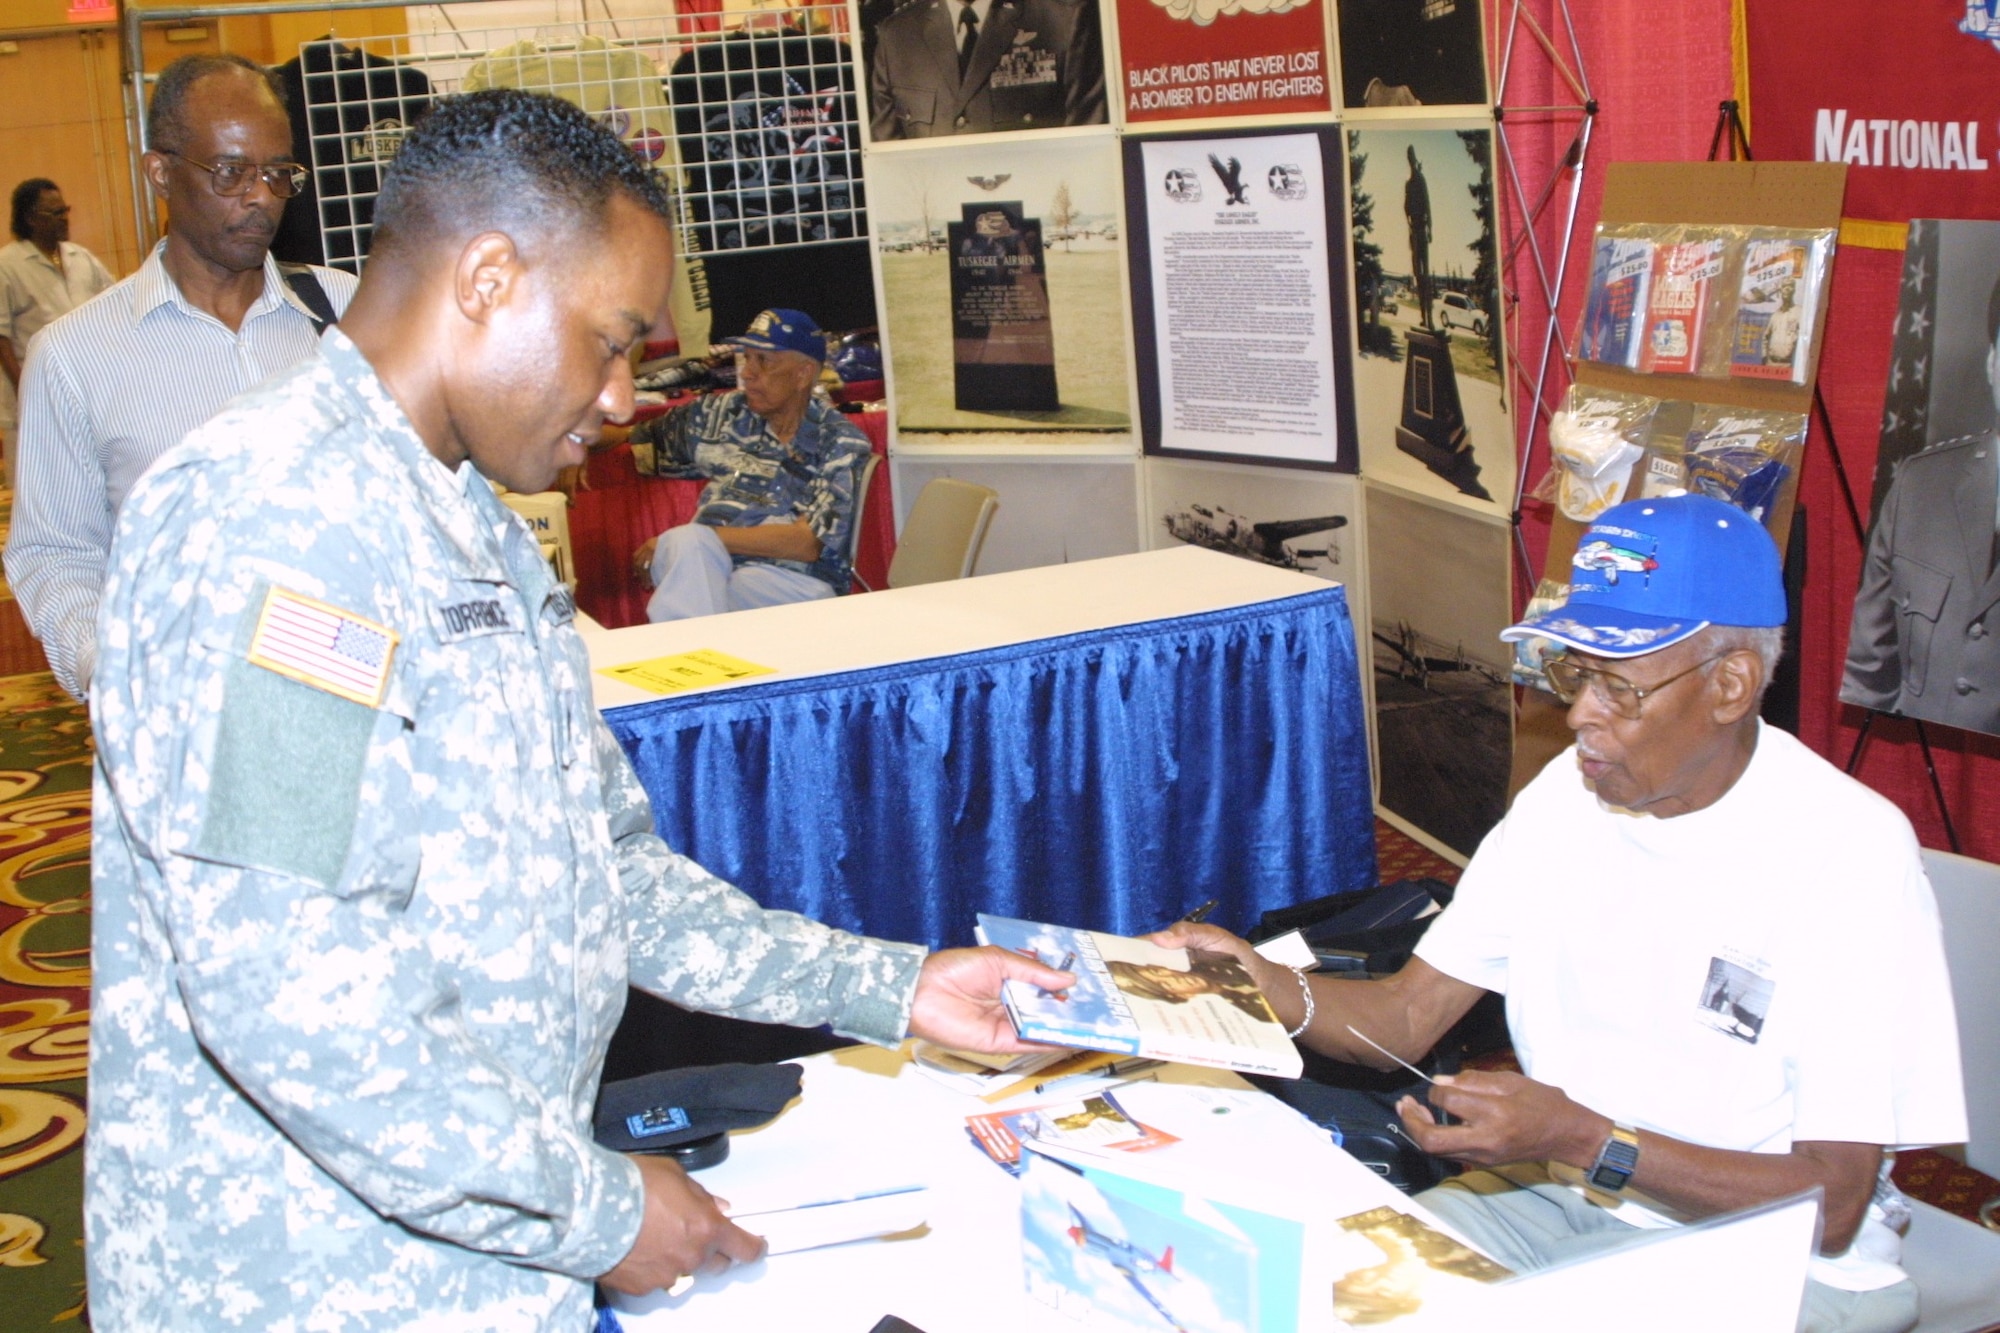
1199,58
1907,94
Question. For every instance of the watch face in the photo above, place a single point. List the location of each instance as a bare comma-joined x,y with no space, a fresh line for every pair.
1615,1162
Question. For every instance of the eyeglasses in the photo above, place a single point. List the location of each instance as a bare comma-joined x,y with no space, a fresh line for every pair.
1567,678
283,179
43,211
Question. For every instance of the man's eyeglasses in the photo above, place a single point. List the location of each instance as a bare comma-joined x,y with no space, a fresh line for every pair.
283,179
1567,678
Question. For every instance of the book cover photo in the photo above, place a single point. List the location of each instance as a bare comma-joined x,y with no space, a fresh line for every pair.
1777,306
1677,307
1136,998
1614,312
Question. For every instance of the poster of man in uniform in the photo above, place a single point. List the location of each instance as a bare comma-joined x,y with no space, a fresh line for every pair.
1201,58
948,67
1404,53
1925,638
1429,388
1053,207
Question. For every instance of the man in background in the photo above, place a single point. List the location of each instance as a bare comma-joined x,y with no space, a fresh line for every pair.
111,386
43,276
1925,639
776,520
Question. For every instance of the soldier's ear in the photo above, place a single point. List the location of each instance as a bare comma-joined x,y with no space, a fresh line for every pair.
487,275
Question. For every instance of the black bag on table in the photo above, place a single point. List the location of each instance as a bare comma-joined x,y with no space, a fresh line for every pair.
1371,933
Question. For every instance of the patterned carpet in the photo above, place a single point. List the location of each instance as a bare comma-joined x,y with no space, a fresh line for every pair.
45,758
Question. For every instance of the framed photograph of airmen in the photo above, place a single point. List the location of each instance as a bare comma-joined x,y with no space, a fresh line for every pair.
1429,381
1437,601
948,67
1925,638
1238,296
1406,53
1200,58
1002,301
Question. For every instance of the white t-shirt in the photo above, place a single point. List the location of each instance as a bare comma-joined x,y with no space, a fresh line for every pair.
1764,970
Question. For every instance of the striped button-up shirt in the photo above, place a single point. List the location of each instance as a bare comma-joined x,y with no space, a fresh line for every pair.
107,389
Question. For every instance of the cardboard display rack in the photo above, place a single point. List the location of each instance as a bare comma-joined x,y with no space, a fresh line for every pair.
1750,194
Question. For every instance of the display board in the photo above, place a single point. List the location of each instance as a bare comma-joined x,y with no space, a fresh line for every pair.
1193,59
1794,196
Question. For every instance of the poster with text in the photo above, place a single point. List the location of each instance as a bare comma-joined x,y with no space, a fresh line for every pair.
1429,384
1406,53
1437,601
1238,297
1053,509
1908,95
1057,202
1187,58
1925,637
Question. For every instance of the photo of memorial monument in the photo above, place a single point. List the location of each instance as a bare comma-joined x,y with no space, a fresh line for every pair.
1405,53
1429,380
1002,301
1437,601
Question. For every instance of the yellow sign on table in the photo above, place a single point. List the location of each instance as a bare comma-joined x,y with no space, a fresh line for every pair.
685,671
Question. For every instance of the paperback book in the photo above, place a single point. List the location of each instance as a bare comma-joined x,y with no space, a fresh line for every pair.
1614,312
1136,998
1089,1123
1778,305
1677,307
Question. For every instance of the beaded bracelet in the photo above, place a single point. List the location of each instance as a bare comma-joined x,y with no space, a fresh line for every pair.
1305,1022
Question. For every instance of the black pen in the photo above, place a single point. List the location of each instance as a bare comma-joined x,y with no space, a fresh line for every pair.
1199,914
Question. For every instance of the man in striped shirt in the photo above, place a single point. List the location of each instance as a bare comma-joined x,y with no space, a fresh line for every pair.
115,383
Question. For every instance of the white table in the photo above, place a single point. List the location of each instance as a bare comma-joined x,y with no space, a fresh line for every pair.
877,1116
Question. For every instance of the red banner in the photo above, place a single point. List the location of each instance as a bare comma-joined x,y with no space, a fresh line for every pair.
1189,58
1907,94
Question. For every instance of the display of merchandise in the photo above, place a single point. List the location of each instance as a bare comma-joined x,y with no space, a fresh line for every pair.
1614,311
1742,456
1136,998
1595,439
1681,301
349,110
1778,304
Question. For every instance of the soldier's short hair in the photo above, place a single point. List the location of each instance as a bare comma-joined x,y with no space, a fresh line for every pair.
505,160
166,116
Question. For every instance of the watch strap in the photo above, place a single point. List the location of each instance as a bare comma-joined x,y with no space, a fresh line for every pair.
1616,1160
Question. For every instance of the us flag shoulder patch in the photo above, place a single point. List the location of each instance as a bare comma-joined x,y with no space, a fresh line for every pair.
324,647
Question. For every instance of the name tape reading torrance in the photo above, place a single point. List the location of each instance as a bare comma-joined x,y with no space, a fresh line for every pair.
1278,76
685,671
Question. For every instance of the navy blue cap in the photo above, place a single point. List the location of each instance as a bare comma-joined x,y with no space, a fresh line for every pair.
784,331
1650,573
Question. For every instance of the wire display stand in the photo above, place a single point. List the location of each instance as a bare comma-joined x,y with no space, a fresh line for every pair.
751,116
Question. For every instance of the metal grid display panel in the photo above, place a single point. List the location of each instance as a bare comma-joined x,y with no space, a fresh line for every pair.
752,118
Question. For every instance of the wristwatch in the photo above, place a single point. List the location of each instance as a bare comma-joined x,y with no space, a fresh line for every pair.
1616,1160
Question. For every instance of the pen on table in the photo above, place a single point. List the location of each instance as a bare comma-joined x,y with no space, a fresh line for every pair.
1116,1069
1077,1062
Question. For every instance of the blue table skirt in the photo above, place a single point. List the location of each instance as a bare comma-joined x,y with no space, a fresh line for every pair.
1111,780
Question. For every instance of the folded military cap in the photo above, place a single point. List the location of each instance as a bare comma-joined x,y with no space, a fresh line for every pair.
656,1112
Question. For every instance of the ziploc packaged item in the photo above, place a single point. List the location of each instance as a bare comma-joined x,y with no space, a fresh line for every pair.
1683,299
1743,456
1595,438
1614,311
1778,303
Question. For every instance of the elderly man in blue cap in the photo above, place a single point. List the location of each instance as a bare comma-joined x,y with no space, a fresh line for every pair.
775,520
1720,955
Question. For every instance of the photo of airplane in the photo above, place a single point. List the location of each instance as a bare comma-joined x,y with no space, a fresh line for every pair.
1137,1266
1220,530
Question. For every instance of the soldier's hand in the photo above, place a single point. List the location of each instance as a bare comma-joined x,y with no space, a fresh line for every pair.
682,1232
958,1006
642,560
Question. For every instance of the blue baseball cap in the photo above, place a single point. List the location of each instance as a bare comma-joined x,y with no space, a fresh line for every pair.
784,331
1650,573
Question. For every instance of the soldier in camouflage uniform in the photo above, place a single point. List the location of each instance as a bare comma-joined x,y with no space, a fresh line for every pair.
370,874
776,519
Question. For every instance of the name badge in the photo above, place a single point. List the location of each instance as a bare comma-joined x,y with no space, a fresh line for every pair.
471,617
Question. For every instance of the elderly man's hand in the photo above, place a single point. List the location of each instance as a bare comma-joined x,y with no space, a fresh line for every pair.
683,1231
1504,1117
642,560
1274,979
957,1004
